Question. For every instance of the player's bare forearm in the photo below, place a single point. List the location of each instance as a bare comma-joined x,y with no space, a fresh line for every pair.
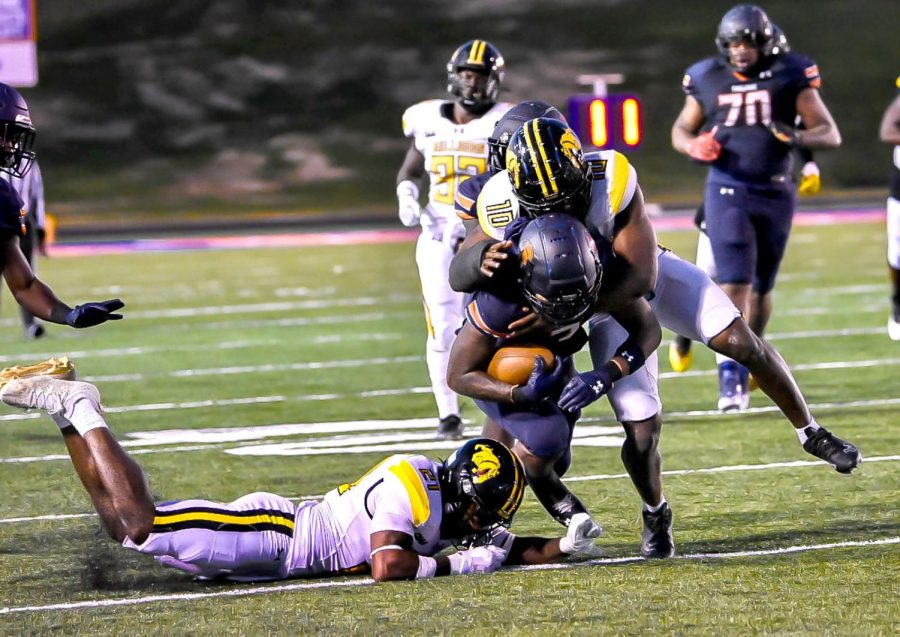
393,558
687,125
413,167
636,254
534,550
820,130
469,357
29,291
643,329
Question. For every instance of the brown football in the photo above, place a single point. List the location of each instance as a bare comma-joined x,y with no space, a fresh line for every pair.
513,364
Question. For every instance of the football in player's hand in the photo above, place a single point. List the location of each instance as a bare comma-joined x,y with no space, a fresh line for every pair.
513,364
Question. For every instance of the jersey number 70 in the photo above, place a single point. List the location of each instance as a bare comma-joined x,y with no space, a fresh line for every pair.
757,107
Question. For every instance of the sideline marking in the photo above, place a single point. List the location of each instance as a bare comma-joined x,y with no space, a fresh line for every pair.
610,476
283,588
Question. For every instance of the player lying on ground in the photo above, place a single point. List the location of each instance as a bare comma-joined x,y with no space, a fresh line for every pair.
391,521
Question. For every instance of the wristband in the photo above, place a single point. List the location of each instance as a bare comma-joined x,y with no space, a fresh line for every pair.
457,563
427,567
633,355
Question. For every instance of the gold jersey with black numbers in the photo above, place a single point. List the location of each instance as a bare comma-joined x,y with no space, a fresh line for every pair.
613,184
453,152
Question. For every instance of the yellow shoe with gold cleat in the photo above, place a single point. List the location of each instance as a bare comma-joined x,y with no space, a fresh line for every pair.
60,367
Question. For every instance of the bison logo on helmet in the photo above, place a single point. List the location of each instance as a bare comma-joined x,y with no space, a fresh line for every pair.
571,148
514,168
527,252
487,464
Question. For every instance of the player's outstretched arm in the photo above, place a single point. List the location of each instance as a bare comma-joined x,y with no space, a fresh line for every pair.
393,558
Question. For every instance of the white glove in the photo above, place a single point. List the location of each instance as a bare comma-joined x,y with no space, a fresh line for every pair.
481,559
408,198
579,540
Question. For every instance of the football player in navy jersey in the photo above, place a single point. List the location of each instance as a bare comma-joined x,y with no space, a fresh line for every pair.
680,355
562,271
739,118
889,133
16,155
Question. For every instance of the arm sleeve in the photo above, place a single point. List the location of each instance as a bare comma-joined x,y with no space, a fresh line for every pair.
465,269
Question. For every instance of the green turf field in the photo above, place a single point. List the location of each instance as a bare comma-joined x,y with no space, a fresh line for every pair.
769,541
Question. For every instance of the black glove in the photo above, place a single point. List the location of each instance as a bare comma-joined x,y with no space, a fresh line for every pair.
542,383
91,314
585,388
784,133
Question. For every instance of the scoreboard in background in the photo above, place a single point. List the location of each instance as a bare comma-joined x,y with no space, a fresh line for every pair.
610,121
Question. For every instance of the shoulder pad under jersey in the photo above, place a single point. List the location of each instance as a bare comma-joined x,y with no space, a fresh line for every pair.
496,205
418,479
420,116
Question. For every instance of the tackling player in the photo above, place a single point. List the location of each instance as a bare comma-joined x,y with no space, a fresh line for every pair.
739,118
449,145
392,521
562,274
684,298
16,156
889,133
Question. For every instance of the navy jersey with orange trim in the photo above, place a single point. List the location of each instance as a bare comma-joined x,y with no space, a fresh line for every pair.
743,107
467,196
12,211
490,313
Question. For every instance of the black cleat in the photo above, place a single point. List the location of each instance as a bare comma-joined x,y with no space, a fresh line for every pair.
450,428
657,541
842,455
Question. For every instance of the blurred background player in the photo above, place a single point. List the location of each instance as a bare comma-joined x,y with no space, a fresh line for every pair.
449,144
810,183
746,101
391,521
31,189
890,134
16,157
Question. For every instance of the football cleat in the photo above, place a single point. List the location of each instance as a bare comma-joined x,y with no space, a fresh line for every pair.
657,540
680,355
34,331
450,428
894,327
60,367
734,392
842,455
55,396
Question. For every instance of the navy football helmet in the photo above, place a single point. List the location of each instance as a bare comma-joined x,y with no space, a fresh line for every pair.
547,170
482,484
16,133
745,22
780,42
483,57
561,268
510,123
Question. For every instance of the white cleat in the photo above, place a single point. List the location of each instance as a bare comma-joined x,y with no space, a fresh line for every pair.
894,328
58,367
56,397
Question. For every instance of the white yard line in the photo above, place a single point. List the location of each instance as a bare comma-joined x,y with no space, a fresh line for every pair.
589,478
246,591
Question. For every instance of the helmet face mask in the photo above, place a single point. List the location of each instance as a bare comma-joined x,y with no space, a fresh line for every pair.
561,268
16,133
511,121
482,486
476,94
547,170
